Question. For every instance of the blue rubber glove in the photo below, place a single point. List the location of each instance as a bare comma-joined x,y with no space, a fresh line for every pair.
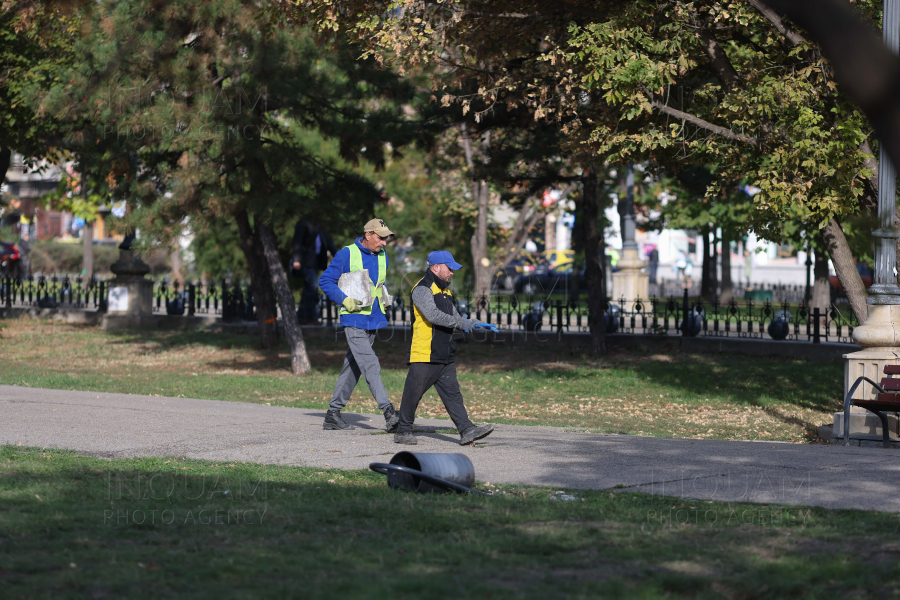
487,326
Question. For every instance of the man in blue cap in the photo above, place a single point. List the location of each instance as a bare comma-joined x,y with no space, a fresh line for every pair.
432,351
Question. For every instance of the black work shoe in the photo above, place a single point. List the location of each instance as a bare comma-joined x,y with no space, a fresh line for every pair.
334,421
474,433
391,419
405,437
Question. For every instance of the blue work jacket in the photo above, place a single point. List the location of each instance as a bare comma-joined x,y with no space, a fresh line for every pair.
340,264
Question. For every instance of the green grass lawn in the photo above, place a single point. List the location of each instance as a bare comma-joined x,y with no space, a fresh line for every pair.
670,395
80,527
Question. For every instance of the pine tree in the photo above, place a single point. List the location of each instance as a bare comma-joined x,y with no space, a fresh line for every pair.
211,100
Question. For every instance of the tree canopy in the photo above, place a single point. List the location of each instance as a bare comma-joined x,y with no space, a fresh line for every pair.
728,84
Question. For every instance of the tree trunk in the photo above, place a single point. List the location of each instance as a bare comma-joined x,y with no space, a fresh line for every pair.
87,261
480,195
263,295
710,266
482,282
727,285
593,267
704,268
87,240
549,232
6,160
714,267
845,267
299,358
821,292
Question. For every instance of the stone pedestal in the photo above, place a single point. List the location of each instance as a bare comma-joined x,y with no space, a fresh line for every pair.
130,293
865,425
880,338
881,329
629,282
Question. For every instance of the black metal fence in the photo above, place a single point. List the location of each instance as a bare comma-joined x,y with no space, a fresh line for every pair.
675,315
53,292
658,316
232,301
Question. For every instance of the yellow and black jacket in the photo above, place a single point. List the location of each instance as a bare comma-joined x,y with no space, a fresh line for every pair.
432,337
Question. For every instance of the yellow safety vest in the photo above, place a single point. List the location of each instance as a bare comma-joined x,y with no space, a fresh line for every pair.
432,343
357,265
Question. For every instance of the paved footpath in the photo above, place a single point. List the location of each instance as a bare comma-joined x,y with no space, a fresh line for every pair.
124,425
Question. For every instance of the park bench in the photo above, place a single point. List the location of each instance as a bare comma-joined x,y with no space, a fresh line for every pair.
887,399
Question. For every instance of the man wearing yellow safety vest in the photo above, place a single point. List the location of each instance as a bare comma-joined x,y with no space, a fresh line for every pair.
432,360
360,323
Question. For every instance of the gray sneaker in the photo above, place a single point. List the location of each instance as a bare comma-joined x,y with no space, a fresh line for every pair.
334,421
474,433
391,419
405,437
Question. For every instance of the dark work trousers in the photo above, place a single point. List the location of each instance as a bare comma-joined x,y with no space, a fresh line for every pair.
422,376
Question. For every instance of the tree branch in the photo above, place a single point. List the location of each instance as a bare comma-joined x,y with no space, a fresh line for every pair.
718,59
792,36
560,8
478,13
864,67
718,130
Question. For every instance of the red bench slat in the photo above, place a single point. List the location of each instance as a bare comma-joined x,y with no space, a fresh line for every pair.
893,399
890,383
892,369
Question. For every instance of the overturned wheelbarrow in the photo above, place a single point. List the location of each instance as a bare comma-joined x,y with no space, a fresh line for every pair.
423,473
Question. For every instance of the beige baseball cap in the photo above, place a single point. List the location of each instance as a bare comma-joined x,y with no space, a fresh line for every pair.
377,226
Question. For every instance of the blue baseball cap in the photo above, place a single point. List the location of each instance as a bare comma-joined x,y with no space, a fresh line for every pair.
442,257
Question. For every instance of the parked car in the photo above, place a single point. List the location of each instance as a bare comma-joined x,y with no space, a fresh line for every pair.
556,279
523,264
10,260
556,258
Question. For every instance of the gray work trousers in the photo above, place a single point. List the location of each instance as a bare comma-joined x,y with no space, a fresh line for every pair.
360,360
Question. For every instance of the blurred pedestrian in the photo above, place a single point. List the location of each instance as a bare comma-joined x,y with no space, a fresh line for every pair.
310,248
653,261
680,266
748,266
688,272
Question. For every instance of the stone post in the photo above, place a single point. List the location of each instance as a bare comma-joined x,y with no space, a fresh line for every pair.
629,282
880,334
130,292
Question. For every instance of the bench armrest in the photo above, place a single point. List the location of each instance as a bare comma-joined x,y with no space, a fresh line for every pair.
847,402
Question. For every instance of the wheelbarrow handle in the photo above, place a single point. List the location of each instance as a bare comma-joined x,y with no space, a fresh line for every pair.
385,469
